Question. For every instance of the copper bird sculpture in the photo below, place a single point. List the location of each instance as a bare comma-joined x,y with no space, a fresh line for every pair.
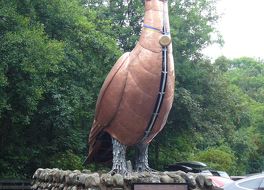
136,97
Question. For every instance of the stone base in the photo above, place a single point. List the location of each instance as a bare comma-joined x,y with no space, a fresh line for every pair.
55,179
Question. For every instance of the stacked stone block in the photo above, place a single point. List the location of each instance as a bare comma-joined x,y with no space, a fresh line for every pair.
56,179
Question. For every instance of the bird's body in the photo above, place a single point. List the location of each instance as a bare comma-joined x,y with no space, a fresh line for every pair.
130,94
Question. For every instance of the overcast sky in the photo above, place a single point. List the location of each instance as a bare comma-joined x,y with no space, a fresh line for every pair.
242,27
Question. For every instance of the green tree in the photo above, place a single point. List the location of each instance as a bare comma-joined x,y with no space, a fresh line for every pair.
53,62
247,79
125,19
218,158
55,55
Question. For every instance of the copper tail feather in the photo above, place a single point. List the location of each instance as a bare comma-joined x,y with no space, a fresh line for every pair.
101,151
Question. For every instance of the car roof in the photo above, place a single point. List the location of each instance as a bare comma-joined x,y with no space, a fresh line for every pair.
255,176
250,177
237,182
192,164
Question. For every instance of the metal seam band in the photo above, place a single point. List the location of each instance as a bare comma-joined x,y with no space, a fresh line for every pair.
163,81
156,29
160,96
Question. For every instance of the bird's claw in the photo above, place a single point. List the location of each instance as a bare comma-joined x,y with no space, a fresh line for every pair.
144,168
119,169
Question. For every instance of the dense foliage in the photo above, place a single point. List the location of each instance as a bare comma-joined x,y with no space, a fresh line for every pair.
53,61
54,56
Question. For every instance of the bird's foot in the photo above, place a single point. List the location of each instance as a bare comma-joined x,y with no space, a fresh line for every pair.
119,159
143,167
142,159
119,168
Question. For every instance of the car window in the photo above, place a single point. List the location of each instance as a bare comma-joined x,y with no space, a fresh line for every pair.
223,174
252,184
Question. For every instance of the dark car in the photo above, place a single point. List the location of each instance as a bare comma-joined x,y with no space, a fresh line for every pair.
196,167
218,178
254,182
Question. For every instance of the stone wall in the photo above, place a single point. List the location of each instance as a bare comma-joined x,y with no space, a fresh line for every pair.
56,179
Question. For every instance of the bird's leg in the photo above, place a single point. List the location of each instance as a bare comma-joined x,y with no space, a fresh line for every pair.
119,158
142,158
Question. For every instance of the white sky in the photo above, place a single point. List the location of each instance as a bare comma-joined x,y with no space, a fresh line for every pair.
242,28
